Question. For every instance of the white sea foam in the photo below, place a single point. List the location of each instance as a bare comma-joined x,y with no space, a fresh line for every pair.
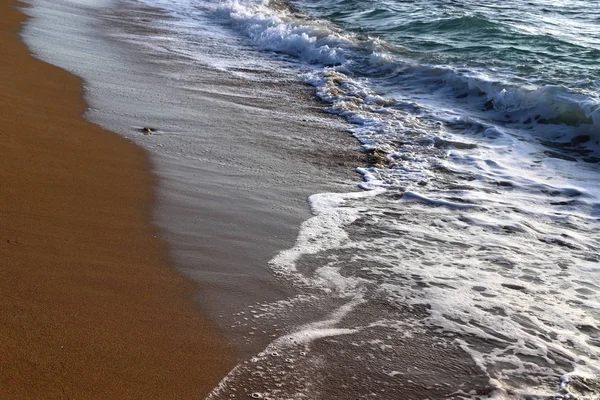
276,30
325,231
515,298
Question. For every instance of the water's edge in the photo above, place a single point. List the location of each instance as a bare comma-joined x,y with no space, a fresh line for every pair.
238,196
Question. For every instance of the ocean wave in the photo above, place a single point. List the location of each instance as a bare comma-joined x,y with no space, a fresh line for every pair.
469,90
275,30
468,23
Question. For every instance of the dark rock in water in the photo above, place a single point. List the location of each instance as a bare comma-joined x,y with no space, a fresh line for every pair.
462,96
580,139
488,105
147,131
377,158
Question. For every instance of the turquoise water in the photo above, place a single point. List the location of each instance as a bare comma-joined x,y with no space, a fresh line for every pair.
532,42
530,61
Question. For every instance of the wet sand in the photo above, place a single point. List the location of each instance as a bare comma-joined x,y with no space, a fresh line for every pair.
89,307
235,159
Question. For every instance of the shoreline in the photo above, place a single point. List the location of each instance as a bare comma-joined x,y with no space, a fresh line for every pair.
387,310
232,179
89,305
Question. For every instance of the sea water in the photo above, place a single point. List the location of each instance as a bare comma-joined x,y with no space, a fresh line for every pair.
475,230
480,204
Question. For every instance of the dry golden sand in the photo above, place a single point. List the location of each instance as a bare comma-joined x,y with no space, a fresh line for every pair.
89,307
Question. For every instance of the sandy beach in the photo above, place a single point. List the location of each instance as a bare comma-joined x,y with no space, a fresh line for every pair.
89,307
